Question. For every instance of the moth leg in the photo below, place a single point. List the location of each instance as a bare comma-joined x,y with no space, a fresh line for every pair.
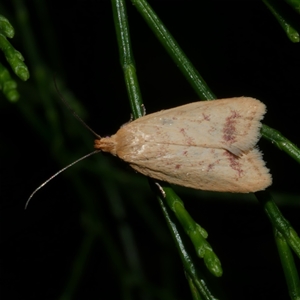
160,189
131,116
144,110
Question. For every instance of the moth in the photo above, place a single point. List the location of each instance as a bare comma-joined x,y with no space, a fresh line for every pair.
205,145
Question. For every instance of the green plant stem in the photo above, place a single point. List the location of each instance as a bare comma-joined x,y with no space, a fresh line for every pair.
275,137
8,85
278,221
288,265
194,291
6,28
126,57
174,50
14,58
286,237
283,20
197,234
186,258
295,4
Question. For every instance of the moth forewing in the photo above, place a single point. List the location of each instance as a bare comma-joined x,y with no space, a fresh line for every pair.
203,145
232,124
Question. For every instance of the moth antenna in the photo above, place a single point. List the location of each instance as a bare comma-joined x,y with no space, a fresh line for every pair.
57,173
73,111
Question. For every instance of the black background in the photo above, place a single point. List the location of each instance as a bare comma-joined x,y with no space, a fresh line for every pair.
239,49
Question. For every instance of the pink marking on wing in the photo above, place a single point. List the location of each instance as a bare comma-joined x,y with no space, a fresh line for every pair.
206,117
234,163
212,130
188,139
210,167
229,130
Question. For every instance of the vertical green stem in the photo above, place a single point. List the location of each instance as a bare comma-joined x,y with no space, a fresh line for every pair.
186,258
278,221
288,265
126,57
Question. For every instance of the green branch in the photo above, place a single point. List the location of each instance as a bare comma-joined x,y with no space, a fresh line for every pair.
281,142
195,279
278,221
126,58
283,19
6,28
196,233
295,4
288,265
14,58
8,85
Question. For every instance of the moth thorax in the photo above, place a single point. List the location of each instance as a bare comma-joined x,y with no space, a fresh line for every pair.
107,144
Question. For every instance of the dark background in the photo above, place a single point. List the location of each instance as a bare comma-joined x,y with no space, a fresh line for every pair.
239,49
